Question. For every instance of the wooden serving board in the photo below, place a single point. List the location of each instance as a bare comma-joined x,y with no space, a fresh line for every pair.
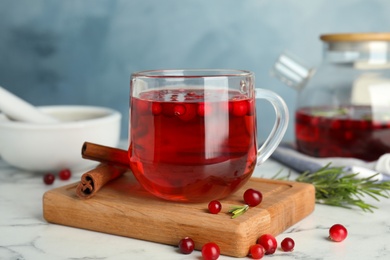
123,208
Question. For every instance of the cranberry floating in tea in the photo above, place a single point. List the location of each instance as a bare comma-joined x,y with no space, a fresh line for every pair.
193,133
343,107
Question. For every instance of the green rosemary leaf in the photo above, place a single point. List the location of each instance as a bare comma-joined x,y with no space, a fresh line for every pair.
238,210
336,187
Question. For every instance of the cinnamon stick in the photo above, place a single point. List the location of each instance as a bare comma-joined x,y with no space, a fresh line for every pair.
105,154
93,180
114,162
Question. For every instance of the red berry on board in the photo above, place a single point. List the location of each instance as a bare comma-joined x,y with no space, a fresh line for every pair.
253,197
257,251
214,206
210,251
287,244
269,243
186,245
49,178
338,233
65,174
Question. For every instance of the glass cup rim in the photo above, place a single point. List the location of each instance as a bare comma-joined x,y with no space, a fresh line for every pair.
192,73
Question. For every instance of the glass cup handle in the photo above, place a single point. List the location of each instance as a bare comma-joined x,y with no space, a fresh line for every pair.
279,128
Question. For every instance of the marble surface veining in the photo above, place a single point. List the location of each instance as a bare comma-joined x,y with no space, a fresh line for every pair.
24,234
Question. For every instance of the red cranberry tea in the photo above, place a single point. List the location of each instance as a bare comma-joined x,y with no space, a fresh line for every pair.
345,132
179,137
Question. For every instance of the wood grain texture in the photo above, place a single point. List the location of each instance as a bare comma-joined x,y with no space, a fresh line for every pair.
123,208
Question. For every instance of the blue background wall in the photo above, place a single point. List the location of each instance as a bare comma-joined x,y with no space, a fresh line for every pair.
83,51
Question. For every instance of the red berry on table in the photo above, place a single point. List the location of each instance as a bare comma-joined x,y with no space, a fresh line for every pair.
210,251
257,251
338,233
214,206
269,243
287,244
49,178
253,197
65,174
186,245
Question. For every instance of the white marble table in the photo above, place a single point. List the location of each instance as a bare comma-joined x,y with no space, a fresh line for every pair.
24,234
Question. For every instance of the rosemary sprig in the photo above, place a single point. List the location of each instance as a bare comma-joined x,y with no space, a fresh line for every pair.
238,210
336,187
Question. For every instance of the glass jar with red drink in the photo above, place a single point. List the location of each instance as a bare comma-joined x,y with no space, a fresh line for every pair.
343,106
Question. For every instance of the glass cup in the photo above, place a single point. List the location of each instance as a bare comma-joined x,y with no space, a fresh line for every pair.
193,133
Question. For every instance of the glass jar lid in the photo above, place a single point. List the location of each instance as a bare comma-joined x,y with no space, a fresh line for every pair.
358,48
355,37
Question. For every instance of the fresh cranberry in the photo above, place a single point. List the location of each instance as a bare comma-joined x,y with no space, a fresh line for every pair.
65,174
210,251
338,233
253,197
185,112
49,178
240,108
179,110
257,251
287,244
269,243
186,245
214,207
156,108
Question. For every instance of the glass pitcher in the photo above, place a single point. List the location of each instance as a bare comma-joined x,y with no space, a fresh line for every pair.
343,106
